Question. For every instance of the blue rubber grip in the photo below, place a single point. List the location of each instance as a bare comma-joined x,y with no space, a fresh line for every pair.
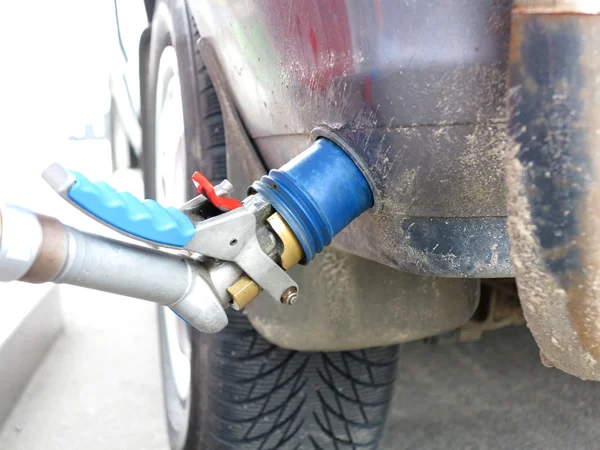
145,219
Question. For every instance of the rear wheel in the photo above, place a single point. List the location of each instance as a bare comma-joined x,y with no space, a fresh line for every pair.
235,390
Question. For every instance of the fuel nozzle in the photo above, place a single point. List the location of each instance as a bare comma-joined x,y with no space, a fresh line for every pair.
220,252
38,249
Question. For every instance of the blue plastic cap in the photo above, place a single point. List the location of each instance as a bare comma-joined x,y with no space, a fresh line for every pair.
144,219
318,193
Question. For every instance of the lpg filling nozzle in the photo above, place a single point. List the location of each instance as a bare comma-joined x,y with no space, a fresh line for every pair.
228,251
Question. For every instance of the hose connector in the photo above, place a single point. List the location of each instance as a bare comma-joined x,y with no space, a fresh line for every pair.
318,193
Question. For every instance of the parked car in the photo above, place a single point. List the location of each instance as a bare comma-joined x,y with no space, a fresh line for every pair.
417,90
124,119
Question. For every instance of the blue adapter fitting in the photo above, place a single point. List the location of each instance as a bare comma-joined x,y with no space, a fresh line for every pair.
318,193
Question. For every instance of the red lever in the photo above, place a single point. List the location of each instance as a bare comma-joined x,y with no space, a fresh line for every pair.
206,188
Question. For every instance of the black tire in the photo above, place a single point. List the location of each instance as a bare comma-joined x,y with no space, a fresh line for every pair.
204,132
250,394
247,393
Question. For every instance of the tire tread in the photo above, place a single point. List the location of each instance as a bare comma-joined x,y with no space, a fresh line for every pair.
264,397
248,394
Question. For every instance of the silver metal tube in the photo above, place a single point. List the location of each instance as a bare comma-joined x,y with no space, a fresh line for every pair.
38,249
104,264
113,266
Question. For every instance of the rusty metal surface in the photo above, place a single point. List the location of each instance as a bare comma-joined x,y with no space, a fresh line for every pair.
499,308
554,184
417,87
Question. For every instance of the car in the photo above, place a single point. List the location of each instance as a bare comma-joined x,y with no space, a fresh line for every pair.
416,93
125,130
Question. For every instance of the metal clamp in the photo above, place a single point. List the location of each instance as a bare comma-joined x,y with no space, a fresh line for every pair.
232,237
229,237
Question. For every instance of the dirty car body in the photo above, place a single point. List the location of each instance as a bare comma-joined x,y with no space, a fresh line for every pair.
440,103
417,90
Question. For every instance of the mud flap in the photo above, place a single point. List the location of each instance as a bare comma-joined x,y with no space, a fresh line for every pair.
553,170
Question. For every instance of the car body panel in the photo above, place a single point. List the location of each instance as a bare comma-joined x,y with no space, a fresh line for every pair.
417,88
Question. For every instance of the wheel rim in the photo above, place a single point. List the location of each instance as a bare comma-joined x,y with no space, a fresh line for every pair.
170,173
171,187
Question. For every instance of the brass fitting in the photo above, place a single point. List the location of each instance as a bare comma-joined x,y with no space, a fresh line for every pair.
292,250
244,290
